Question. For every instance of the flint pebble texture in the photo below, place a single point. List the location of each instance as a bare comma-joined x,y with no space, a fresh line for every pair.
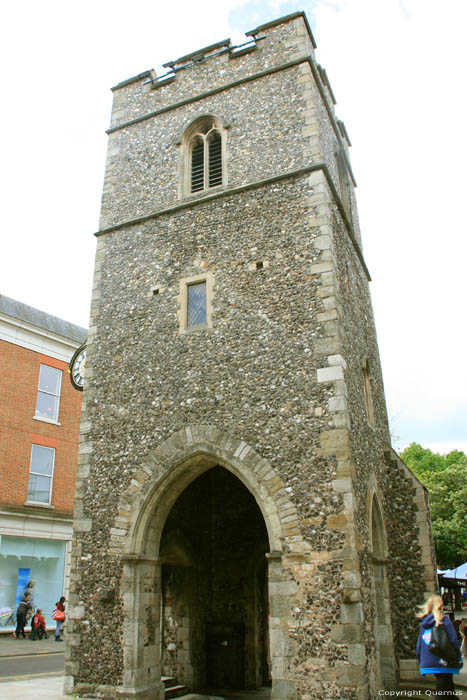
272,388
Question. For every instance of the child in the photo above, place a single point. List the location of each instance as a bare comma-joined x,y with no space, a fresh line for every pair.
39,630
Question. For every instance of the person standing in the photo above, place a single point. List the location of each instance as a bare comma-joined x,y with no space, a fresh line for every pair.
60,605
463,634
433,614
21,612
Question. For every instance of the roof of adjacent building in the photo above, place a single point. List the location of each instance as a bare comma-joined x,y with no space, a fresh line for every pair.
40,319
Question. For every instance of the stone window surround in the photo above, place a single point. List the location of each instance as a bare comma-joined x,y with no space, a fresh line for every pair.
368,391
186,146
182,299
344,183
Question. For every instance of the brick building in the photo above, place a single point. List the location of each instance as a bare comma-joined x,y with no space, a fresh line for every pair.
39,429
239,511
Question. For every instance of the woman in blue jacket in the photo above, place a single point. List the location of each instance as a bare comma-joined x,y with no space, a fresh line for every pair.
433,613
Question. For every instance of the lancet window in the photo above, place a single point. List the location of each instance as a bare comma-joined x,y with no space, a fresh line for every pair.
204,156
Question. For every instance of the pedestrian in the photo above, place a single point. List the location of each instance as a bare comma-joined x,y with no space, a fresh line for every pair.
59,616
463,634
39,629
433,614
21,612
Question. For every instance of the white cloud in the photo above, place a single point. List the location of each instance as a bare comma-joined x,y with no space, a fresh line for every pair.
397,70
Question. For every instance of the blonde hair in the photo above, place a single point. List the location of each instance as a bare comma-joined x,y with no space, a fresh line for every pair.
434,605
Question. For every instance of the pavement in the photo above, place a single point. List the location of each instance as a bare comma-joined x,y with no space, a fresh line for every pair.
18,647
49,686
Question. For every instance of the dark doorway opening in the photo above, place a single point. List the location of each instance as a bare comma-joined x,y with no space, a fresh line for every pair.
214,603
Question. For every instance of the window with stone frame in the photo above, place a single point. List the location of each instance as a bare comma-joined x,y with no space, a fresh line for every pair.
204,159
195,302
196,310
368,391
48,393
344,184
41,470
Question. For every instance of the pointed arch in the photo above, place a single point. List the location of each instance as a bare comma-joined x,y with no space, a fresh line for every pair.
178,461
203,155
142,514
378,539
384,661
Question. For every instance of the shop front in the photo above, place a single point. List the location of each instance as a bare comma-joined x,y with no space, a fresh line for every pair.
38,563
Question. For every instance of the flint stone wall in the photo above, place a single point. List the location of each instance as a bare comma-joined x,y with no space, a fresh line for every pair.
278,374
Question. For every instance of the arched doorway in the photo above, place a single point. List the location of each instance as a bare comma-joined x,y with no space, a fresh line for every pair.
385,666
214,604
155,550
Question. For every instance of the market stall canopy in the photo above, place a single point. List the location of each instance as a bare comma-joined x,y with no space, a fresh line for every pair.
454,577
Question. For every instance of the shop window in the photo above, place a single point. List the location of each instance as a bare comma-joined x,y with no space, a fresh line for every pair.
41,474
48,394
29,558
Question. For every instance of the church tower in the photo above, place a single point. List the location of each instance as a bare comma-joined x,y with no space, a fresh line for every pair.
241,520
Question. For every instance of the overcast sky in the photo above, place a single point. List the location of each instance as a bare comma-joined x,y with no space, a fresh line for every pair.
397,68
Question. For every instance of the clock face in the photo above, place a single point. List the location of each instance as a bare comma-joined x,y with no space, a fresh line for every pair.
77,365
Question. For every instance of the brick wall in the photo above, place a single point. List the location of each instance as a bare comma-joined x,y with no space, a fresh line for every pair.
19,369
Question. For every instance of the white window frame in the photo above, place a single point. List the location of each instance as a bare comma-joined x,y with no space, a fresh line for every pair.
41,391
35,473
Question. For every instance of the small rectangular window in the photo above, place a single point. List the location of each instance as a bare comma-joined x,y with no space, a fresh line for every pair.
41,474
48,395
196,304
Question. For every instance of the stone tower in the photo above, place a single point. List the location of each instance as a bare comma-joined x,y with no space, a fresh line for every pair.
241,520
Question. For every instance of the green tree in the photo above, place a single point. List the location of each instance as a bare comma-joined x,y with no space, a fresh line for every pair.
445,478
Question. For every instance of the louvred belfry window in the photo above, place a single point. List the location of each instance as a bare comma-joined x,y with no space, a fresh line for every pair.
215,159
197,165
205,158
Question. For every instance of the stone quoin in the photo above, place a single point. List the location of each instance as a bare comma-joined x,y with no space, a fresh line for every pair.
241,519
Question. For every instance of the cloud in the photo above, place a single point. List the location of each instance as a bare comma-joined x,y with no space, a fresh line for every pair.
397,70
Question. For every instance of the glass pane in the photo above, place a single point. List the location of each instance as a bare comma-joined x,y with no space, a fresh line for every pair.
196,304
42,460
45,560
50,379
47,406
39,488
